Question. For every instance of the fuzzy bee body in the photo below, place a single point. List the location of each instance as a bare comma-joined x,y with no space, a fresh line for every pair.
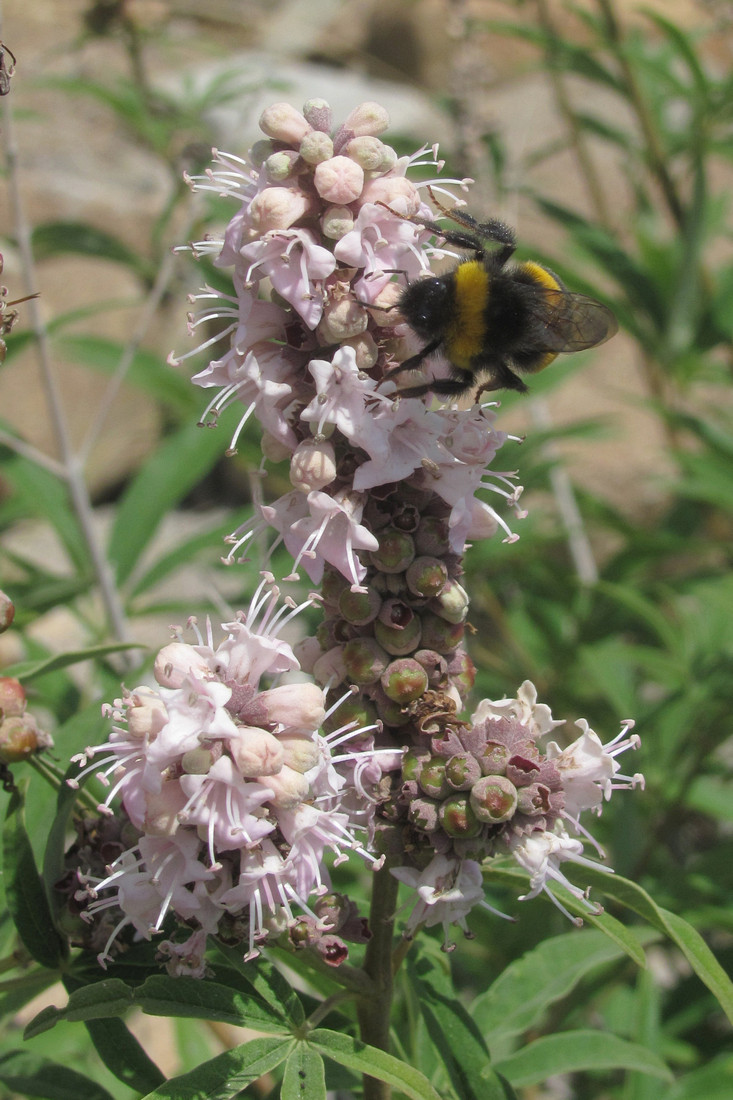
490,319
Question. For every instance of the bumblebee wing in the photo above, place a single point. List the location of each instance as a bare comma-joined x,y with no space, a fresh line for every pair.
571,322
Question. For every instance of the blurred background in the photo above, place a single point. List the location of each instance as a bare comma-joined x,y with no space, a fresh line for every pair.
604,133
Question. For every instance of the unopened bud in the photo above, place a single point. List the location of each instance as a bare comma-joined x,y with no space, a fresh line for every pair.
337,222
7,612
296,708
367,151
146,713
439,634
433,779
289,788
319,114
12,697
359,608
256,752
197,761
175,662
20,737
313,465
368,118
278,208
316,147
301,752
341,320
366,351
426,576
281,165
452,603
339,180
399,641
282,122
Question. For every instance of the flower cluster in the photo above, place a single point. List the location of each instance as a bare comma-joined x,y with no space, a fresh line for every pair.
236,790
230,786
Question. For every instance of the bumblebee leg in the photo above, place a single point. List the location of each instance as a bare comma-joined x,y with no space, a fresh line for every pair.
501,379
443,387
413,362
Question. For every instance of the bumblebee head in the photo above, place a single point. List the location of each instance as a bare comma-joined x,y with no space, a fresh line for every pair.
425,305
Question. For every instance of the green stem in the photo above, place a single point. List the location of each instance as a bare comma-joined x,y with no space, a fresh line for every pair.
374,1010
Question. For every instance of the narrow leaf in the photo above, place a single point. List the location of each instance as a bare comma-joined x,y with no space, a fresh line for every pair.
24,890
123,1055
523,992
453,1032
305,1077
573,1051
111,997
178,464
29,670
28,1074
227,1074
64,237
164,996
363,1058
268,983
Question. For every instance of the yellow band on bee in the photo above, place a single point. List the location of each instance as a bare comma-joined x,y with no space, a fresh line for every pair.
540,275
468,329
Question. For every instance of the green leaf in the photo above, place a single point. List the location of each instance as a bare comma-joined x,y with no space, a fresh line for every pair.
123,1055
24,890
63,237
363,1058
268,983
454,1034
42,494
227,1074
108,998
573,1051
31,1075
206,1000
178,464
521,995
147,372
305,1077
689,941
29,670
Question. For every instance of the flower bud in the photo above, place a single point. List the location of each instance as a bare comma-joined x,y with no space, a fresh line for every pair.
364,660
20,737
368,118
301,752
431,537
313,465
494,799
337,222
197,761
452,603
339,180
341,320
280,166
282,122
331,666
7,612
175,662
426,576
457,817
366,351
289,788
397,192
367,151
146,713
12,697
404,680
297,708
278,208
256,752
318,113
316,147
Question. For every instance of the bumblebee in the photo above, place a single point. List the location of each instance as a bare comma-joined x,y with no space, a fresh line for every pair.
491,319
